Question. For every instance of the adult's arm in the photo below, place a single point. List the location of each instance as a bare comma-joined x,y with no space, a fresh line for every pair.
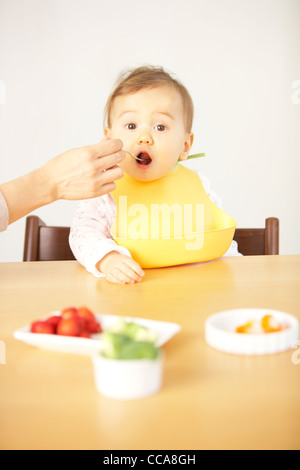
80,173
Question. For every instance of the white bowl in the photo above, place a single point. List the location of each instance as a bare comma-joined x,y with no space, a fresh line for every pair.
220,332
127,379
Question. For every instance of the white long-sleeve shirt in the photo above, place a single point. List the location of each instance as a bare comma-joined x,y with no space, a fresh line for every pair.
90,237
3,213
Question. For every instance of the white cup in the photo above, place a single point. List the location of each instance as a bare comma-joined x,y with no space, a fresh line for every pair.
127,379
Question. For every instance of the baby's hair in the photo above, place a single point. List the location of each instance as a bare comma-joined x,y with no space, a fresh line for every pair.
134,80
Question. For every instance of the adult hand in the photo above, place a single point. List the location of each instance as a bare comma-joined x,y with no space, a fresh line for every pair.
80,173
85,172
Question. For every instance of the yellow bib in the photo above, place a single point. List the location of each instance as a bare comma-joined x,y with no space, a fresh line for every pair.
170,221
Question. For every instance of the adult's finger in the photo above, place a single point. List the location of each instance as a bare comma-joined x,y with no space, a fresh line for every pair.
109,161
106,147
112,174
105,189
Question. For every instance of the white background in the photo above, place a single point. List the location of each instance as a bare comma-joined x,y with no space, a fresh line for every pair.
239,59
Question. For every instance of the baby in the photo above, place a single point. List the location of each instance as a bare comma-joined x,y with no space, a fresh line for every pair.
152,113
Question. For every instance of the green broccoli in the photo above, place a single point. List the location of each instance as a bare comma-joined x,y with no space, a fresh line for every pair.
139,350
134,331
113,343
121,346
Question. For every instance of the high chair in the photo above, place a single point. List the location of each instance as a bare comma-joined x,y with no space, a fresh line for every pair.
45,243
259,241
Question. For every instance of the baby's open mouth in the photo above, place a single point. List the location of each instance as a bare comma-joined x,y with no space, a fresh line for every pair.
144,159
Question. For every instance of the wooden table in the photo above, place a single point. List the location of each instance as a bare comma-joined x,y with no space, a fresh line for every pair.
209,399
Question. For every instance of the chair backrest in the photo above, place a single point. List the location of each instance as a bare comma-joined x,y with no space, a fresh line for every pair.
45,243
259,241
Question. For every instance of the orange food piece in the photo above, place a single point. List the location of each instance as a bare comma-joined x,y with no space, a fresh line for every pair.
245,328
268,324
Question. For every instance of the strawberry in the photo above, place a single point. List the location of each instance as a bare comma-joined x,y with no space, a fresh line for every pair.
53,320
69,327
71,322
84,334
69,312
42,327
85,313
94,327
91,323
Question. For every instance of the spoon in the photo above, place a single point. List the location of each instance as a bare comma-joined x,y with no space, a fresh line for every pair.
196,155
132,155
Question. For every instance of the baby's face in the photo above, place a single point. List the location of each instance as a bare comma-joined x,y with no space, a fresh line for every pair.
151,125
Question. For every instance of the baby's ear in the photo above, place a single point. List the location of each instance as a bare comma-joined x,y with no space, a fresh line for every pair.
187,146
107,132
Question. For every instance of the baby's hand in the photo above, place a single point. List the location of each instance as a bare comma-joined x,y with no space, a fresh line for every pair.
120,268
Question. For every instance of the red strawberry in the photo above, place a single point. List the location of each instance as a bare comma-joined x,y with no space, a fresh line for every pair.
42,327
71,322
69,327
91,323
94,327
84,334
85,313
54,320
69,312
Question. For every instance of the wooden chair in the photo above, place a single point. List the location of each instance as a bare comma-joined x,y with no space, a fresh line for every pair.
45,243
259,241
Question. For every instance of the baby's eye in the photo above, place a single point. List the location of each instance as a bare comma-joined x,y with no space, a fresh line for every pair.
131,126
160,127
